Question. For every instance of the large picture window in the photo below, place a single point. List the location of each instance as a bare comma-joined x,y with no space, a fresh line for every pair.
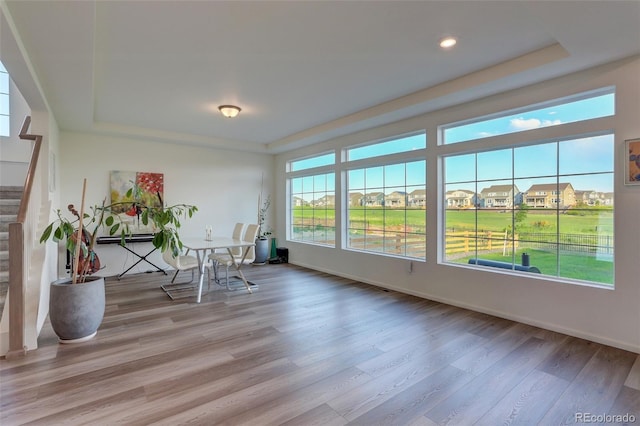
312,201
387,209
313,209
386,203
547,206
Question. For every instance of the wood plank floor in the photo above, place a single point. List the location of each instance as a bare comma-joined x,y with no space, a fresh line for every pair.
309,348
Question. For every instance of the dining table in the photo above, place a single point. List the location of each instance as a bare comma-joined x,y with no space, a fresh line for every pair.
203,246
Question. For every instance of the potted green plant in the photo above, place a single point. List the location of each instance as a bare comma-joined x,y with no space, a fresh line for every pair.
262,242
77,303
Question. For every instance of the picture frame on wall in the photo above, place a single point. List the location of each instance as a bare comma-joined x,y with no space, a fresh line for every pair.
632,162
151,193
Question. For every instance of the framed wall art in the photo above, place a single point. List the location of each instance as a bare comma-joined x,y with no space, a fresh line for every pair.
632,162
152,194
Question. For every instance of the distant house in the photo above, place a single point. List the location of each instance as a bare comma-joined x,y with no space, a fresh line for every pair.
417,198
355,199
500,197
586,197
606,198
327,200
593,198
299,202
460,199
373,199
396,199
551,195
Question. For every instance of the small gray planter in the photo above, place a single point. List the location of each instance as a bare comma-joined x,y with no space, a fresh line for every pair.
76,310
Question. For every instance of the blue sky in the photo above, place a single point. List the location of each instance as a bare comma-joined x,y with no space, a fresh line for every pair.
586,163
536,164
598,106
570,159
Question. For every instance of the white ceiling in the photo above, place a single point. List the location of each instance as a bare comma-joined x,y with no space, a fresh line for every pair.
302,71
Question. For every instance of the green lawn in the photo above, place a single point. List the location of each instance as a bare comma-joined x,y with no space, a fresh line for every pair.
572,265
592,221
574,228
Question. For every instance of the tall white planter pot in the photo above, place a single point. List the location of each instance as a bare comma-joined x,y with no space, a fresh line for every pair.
76,310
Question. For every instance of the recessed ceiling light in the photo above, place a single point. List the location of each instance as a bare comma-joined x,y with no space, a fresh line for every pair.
448,42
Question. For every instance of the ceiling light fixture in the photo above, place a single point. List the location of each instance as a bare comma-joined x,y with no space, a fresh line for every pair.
448,42
229,111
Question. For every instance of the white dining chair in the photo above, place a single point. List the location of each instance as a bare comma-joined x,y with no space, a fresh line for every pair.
179,263
236,235
237,251
224,259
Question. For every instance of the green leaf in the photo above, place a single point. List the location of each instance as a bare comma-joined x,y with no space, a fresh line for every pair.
46,233
158,240
109,221
114,229
67,229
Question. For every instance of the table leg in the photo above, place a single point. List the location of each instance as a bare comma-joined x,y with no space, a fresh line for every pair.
201,266
238,265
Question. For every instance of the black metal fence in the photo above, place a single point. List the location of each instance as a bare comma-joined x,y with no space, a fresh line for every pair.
584,243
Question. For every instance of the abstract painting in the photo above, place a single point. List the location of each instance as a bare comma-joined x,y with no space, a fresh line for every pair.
632,164
151,194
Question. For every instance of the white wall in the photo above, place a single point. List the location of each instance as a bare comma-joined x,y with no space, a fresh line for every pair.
608,316
42,260
224,185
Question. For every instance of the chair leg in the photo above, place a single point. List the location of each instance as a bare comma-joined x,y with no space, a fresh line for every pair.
212,267
209,277
168,288
178,271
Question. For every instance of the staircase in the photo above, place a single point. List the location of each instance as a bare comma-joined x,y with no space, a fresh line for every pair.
10,197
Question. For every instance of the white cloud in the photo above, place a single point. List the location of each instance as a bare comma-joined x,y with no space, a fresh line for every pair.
525,123
521,123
